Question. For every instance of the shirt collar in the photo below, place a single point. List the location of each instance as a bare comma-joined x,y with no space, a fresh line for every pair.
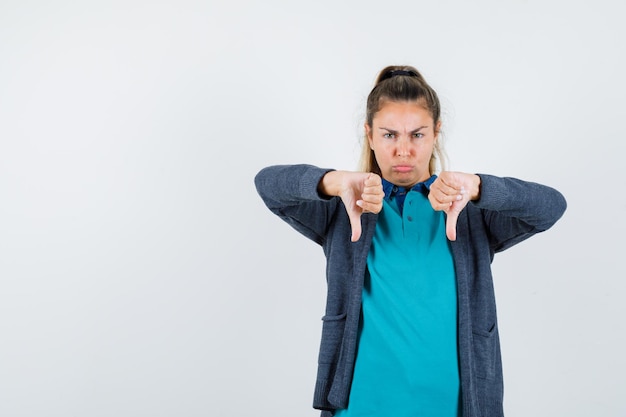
391,189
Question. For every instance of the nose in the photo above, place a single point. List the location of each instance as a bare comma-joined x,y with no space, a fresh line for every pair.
403,147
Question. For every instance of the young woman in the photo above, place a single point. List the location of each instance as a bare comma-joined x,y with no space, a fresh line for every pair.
410,326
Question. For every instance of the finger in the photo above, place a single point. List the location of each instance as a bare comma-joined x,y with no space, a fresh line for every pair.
355,224
372,198
445,189
373,195
434,202
442,190
449,178
372,180
372,202
441,200
451,219
438,206
373,189
371,207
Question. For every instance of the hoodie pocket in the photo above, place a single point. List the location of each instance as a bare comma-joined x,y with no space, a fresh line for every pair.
485,352
332,336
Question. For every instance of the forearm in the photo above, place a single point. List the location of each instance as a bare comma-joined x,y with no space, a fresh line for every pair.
535,204
282,185
474,191
331,184
291,192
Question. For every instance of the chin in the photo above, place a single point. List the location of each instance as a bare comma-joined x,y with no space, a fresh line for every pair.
405,179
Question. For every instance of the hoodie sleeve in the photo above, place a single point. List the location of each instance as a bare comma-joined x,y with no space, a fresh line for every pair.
291,192
513,210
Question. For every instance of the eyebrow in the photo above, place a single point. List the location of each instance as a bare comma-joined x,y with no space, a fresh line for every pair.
395,131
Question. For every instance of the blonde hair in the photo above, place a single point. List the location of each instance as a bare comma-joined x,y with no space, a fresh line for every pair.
402,83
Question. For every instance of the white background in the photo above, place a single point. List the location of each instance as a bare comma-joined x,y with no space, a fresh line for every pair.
140,274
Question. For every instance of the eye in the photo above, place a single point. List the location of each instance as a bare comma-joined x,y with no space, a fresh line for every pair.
388,135
418,135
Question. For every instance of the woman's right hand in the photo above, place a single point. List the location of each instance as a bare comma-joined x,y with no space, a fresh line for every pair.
360,192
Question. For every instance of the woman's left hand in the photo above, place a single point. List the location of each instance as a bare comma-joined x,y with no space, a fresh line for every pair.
450,193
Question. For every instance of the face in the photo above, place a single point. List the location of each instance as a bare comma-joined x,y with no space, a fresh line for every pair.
403,137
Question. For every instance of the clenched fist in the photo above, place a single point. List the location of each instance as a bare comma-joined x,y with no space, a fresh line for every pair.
450,193
360,192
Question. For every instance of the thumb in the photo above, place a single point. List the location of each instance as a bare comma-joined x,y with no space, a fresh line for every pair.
355,224
451,219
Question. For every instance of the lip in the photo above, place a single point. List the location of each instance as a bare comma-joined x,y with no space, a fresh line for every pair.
403,168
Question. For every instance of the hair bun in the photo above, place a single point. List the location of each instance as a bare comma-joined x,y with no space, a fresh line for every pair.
394,73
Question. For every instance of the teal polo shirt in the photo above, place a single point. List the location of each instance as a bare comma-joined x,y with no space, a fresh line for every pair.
407,360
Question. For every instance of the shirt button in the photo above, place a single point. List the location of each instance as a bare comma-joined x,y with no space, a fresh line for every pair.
409,218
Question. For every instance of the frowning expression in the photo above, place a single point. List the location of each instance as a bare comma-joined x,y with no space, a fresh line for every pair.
403,136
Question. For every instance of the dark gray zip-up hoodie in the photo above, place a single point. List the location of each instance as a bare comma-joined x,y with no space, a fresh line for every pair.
508,211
